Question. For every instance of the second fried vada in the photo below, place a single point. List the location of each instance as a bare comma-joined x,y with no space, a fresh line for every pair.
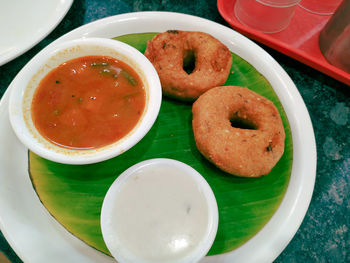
238,130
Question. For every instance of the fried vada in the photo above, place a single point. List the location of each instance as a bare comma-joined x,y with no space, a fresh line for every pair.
188,63
238,130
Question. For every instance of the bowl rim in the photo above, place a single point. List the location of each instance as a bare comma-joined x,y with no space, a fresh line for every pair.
82,156
204,245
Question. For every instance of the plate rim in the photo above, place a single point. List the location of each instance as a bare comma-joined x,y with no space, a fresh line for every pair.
64,6
288,94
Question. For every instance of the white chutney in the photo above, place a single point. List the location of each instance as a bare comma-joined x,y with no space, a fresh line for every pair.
160,210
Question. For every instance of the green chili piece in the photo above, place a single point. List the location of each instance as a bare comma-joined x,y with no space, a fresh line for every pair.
130,95
105,72
130,78
98,65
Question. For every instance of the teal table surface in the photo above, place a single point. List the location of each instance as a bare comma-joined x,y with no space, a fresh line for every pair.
324,235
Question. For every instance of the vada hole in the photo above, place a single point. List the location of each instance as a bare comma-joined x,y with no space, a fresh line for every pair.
189,61
241,123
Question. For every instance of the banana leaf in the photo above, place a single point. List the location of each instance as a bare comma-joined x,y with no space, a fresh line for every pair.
73,194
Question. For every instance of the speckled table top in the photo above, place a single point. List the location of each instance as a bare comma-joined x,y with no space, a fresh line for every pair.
324,235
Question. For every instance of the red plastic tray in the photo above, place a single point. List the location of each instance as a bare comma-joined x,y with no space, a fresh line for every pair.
299,40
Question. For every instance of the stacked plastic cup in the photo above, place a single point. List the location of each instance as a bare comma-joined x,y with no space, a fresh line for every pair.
268,16
320,7
334,38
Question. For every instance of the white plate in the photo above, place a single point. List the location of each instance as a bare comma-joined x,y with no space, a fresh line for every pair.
24,23
37,237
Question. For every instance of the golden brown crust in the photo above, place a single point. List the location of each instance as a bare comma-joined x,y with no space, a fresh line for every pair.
239,151
213,62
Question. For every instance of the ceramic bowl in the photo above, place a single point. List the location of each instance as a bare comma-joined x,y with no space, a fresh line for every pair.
25,84
159,210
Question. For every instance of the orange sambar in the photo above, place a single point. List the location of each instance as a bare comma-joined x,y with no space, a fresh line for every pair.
88,102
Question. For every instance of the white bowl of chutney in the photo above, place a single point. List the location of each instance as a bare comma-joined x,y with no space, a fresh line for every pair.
85,100
159,210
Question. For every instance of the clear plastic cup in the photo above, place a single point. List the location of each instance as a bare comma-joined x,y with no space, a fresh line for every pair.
268,16
334,38
320,7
